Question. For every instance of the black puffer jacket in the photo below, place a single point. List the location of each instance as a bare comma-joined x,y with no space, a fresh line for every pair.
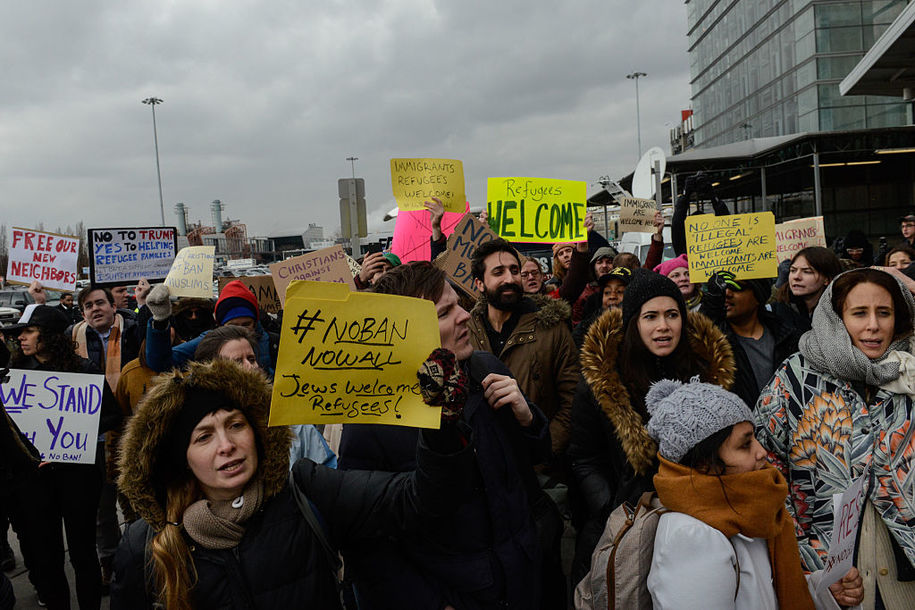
279,562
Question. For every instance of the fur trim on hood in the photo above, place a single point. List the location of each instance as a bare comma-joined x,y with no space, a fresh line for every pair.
147,430
550,311
598,367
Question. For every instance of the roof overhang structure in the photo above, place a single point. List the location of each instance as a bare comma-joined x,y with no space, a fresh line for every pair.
888,68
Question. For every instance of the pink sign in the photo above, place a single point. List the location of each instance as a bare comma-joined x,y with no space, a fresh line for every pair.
412,231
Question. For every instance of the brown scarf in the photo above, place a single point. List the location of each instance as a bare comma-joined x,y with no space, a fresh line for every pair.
759,496
221,525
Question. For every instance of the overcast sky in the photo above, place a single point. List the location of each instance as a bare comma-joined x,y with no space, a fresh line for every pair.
263,101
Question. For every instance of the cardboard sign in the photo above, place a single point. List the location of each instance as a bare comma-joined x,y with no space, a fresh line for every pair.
743,244
58,412
191,274
47,257
120,257
352,357
413,231
455,260
417,180
354,267
637,215
536,210
795,235
325,265
846,516
263,289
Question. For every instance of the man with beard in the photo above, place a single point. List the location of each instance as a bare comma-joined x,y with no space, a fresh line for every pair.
531,335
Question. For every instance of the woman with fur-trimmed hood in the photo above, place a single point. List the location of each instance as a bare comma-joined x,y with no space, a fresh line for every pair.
221,524
652,337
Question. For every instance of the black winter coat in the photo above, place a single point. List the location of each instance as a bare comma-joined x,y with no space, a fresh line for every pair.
279,562
488,552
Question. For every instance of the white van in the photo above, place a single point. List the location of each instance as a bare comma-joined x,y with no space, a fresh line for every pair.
639,243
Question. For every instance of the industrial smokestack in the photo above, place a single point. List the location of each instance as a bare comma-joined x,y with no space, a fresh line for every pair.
181,211
216,210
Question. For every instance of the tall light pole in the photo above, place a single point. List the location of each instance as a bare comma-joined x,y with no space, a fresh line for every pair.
638,119
153,102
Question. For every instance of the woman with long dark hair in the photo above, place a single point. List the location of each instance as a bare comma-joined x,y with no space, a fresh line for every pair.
840,409
652,337
73,490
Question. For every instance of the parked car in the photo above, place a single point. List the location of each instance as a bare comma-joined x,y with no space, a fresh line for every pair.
17,298
9,315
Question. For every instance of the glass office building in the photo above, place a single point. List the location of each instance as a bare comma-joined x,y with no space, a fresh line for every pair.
772,67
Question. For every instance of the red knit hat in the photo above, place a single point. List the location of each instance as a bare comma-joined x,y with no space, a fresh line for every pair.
235,301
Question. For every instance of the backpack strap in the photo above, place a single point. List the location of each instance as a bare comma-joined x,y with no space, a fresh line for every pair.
317,526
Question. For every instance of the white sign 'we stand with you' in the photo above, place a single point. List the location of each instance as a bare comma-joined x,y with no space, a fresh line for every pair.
58,412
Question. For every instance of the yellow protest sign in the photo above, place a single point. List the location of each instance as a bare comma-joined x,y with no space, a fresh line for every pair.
537,210
795,235
416,180
191,274
743,244
352,357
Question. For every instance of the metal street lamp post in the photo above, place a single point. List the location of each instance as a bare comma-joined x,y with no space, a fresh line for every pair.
638,119
153,102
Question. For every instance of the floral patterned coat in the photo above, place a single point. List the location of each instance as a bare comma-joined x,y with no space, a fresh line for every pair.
822,433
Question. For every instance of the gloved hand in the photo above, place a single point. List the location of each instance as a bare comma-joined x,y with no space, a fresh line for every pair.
719,282
443,383
158,302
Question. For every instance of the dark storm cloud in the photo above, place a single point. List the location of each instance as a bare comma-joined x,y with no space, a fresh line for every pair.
263,101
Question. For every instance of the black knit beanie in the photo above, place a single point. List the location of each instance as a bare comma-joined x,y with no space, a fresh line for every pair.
762,289
198,403
644,286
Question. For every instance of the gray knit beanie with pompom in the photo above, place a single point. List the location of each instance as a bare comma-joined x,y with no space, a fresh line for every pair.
685,414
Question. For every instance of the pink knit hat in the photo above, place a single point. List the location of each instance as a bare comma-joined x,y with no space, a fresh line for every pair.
667,266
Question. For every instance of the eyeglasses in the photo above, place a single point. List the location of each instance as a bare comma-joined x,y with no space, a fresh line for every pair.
908,225
527,274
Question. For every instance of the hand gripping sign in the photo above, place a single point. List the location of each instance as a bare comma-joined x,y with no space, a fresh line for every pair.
352,357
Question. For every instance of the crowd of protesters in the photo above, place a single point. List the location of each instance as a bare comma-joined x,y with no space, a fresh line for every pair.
565,393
